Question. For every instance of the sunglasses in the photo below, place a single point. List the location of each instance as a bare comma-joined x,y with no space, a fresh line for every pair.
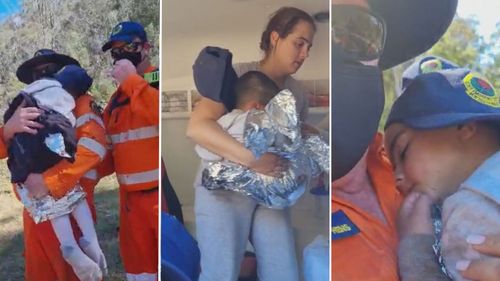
132,47
358,32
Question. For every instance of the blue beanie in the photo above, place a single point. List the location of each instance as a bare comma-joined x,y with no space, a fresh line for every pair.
74,79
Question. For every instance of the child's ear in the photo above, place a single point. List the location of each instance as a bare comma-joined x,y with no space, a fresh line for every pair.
467,131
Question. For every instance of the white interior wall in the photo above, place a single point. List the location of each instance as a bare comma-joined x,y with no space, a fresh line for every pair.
183,38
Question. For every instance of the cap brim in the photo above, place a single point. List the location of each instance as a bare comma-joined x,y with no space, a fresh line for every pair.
447,119
25,71
413,26
123,38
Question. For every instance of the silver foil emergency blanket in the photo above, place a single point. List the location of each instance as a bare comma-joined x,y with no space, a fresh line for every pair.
47,208
275,129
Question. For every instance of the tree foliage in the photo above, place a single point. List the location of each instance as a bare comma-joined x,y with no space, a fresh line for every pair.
461,44
74,27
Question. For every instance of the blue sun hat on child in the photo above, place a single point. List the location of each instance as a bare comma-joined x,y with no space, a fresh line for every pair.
445,98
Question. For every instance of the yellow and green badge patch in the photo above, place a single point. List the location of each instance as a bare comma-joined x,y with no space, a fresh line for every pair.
481,90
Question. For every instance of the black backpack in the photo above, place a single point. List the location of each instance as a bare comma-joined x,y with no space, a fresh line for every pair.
27,152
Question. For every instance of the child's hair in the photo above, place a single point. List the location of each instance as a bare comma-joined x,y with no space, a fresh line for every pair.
255,86
493,125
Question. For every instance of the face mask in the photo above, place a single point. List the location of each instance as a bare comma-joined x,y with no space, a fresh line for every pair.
134,57
357,105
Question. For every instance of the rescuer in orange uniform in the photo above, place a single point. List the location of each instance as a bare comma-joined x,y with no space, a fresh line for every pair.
364,232
369,36
43,258
132,124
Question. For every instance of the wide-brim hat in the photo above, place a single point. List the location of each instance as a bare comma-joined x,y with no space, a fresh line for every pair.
25,71
412,26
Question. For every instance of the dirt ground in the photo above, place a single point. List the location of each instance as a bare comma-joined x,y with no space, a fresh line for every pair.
11,228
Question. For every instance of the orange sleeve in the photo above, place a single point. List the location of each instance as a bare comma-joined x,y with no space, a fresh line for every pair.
107,166
3,145
144,99
64,175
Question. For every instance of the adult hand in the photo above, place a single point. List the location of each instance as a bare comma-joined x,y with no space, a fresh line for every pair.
269,164
22,121
485,269
36,186
122,69
415,215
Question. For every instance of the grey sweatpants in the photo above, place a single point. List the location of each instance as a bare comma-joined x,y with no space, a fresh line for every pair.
226,220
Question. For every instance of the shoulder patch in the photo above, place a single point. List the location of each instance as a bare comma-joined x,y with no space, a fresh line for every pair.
342,226
152,77
481,90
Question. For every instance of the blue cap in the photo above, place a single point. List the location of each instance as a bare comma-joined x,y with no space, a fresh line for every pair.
214,75
445,98
74,79
126,32
425,65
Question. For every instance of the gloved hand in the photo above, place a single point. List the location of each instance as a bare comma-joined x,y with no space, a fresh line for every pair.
122,70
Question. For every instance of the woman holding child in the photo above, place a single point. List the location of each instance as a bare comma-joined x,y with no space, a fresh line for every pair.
226,220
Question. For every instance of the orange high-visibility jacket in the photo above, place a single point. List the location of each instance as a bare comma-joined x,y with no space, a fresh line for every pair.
371,253
132,124
3,145
91,150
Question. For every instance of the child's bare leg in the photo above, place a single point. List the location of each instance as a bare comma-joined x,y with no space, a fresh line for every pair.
84,268
88,241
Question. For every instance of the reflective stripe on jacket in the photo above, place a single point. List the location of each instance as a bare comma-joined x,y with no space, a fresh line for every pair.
132,124
91,150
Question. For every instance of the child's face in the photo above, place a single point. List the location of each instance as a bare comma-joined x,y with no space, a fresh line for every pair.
425,160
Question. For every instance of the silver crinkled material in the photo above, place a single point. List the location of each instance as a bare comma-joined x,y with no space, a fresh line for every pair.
47,208
275,129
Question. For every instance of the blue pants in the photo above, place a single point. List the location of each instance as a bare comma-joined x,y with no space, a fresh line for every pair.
226,220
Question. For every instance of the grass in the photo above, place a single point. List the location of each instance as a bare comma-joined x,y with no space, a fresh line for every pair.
11,228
